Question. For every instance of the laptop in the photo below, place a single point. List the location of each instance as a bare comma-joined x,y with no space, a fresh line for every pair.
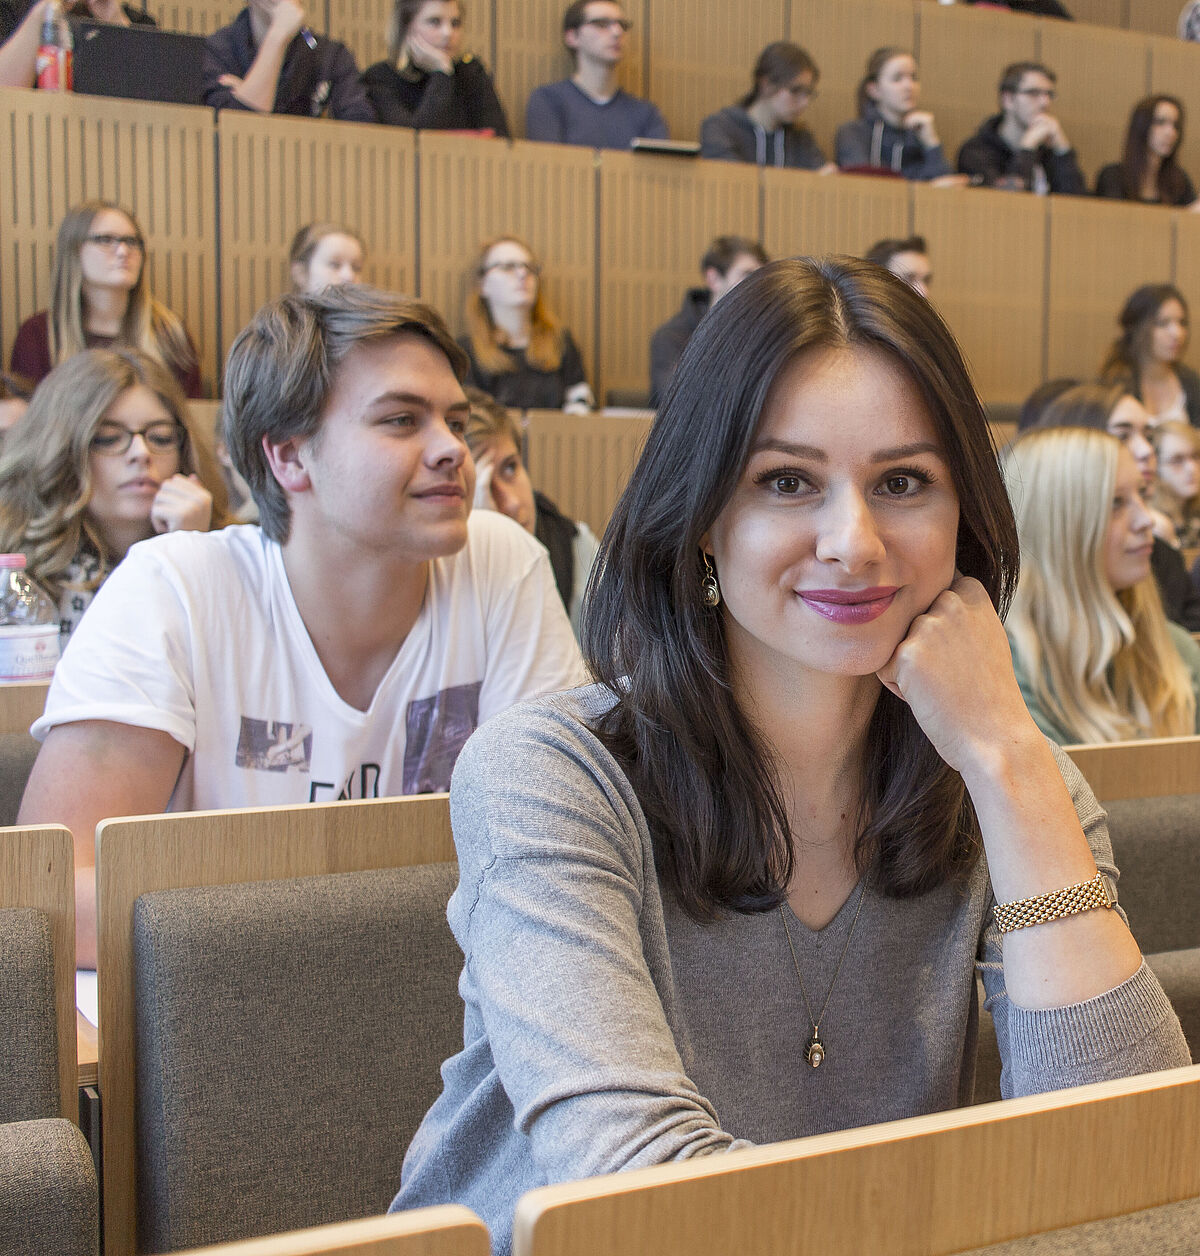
137,62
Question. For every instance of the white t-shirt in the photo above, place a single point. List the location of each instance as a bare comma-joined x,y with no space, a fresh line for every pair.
197,634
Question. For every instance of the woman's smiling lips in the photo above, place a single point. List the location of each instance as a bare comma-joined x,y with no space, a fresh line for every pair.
849,606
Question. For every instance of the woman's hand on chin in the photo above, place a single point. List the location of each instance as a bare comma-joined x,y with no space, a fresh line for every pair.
954,669
182,504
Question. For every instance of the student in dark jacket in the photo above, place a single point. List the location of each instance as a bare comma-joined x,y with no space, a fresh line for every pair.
764,126
268,61
1024,146
1148,171
726,262
891,133
427,82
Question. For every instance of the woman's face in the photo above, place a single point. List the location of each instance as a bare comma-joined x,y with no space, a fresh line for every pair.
1130,423
1163,137
124,485
897,87
1169,332
1179,465
843,526
337,259
512,489
439,22
1130,535
107,259
789,100
510,277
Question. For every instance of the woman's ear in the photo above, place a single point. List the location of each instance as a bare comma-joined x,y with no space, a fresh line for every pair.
299,275
872,90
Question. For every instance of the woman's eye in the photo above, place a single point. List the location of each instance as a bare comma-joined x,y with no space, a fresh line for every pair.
900,485
787,484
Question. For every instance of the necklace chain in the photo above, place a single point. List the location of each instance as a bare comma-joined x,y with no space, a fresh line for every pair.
816,1052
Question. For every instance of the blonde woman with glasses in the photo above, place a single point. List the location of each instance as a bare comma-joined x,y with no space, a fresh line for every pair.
1095,656
100,299
106,455
1177,493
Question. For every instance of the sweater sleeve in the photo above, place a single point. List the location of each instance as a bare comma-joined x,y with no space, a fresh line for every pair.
543,121
1110,184
720,139
550,910
31,349
1130,1029
347,100
852,146
218,60
981,161
933,164
1062,169
487,113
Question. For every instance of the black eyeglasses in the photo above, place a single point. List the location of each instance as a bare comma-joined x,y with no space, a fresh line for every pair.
1046,93
110,243
115,438
607,23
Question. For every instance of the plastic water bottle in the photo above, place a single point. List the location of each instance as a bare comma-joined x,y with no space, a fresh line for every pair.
29,644
56,52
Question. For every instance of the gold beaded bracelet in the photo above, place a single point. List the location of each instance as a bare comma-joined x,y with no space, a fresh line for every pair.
1086,896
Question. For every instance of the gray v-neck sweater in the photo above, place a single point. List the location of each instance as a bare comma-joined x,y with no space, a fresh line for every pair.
604,1029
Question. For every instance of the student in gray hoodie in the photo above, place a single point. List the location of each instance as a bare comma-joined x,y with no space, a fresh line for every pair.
891,133
764,126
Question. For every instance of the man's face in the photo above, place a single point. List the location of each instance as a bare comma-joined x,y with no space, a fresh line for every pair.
741,266
388,471
1033,97
601,36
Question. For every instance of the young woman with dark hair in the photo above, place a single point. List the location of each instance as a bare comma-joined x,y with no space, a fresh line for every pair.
1147,356
1148,171
752,870
764,126
428,82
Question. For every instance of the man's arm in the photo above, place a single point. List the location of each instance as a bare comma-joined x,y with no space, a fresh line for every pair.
88,772
257,89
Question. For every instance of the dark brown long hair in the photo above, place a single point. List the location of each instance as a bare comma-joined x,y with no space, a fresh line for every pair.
703,774
1172,182
1128,353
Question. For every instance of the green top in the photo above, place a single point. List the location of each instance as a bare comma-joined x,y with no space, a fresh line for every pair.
1189,651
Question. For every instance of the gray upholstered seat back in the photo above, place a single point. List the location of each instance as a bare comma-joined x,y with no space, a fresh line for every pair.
48,1195
289,1040
1156,842
28,1030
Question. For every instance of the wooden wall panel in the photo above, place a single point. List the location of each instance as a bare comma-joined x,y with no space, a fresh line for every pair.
657,216
701,56
1101,75
1099,252
840,38
989,262
1187,275
583,464
1175,70
472,190
157,162
529,51
197,17
362,26
815,214
279,173
962,52
1156,17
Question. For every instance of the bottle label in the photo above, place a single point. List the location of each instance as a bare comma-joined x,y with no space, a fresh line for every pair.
28,651
54,68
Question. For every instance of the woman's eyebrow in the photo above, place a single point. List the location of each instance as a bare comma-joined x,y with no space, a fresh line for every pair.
815,454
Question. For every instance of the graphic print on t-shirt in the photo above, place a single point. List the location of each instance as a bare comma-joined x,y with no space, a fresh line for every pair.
274,746
436,729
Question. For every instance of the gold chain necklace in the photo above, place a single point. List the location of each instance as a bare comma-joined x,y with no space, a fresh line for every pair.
815,1052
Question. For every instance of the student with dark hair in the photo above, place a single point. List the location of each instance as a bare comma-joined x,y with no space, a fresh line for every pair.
589,107
347,647
739,889
890,132
1148,170
1042,397
726,262
907,259
428,82
268,60
1024,146
764,126
1147,355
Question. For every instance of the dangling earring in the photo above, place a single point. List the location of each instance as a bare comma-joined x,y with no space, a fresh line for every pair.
710,590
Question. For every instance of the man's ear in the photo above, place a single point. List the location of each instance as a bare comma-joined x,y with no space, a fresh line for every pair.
287,462
571,39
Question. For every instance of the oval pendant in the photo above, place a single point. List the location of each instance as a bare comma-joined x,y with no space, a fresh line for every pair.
815,1054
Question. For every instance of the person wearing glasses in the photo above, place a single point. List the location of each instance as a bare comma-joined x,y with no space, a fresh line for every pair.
519,352
589,108
764,126
100,299
106,455
1024,146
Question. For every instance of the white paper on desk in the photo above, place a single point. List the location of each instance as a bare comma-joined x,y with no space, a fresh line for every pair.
86,998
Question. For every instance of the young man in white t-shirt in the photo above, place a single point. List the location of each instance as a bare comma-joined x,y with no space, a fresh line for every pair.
345,649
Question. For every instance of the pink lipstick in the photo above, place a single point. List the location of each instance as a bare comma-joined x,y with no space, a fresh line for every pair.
849,606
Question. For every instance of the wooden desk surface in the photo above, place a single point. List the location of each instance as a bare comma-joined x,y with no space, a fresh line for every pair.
86,1043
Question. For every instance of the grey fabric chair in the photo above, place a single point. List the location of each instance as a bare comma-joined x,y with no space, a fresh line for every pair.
17,753
289,1040
49,1201
28,1028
